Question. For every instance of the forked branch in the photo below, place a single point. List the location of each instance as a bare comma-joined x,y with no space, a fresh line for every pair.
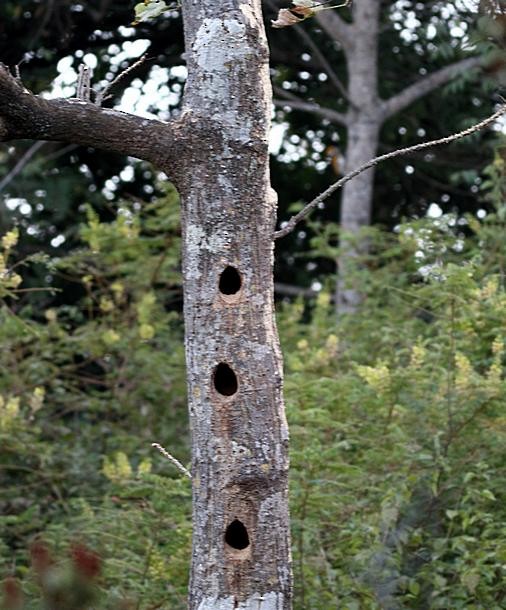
294,220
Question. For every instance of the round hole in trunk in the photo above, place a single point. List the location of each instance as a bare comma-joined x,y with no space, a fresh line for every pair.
225,380
230,281
237,536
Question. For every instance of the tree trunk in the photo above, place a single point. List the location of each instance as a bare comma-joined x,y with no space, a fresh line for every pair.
358,40
241,541
356,211
363,132
217,155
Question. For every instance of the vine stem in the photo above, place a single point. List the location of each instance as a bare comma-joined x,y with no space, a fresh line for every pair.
307,209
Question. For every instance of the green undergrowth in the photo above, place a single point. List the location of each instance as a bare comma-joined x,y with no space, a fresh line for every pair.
397,416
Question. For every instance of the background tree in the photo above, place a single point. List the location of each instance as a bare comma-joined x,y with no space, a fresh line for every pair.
414,41
97,368
429,45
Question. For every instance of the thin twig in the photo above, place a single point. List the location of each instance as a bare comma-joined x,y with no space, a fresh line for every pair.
20,165
172,459
294,220
302,33
297,103
101,96
83,85
17,74
328,8
59,152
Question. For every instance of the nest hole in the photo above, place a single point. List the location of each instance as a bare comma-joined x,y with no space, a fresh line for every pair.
237,536
225,380
230,281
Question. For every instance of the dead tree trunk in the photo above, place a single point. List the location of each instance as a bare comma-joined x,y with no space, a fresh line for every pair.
216,154
241,550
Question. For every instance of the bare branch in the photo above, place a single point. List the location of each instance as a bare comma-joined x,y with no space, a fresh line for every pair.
297,104
172,459
83,86
27,116
336,28
294,220
101,96
21,164
302,33
427,84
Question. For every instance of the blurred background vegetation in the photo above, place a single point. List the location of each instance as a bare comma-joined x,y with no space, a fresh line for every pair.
397,412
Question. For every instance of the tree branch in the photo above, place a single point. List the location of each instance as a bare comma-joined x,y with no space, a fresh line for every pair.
335,27
20,165
427,84
27,116
302,33
101,96
306,210
297,104
172,459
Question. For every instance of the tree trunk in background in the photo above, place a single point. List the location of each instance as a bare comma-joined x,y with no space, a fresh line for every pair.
241,541
356,211
363,133
367,112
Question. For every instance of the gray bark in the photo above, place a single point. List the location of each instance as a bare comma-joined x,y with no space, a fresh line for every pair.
363,133
356,211
241,542
217,155
365,117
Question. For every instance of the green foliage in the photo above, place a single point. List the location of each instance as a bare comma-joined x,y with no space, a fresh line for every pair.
397,419
398,422
150,9
85,387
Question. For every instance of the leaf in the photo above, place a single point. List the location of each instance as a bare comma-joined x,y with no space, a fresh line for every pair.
301,10
470,580
486,493
286,18
144,11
